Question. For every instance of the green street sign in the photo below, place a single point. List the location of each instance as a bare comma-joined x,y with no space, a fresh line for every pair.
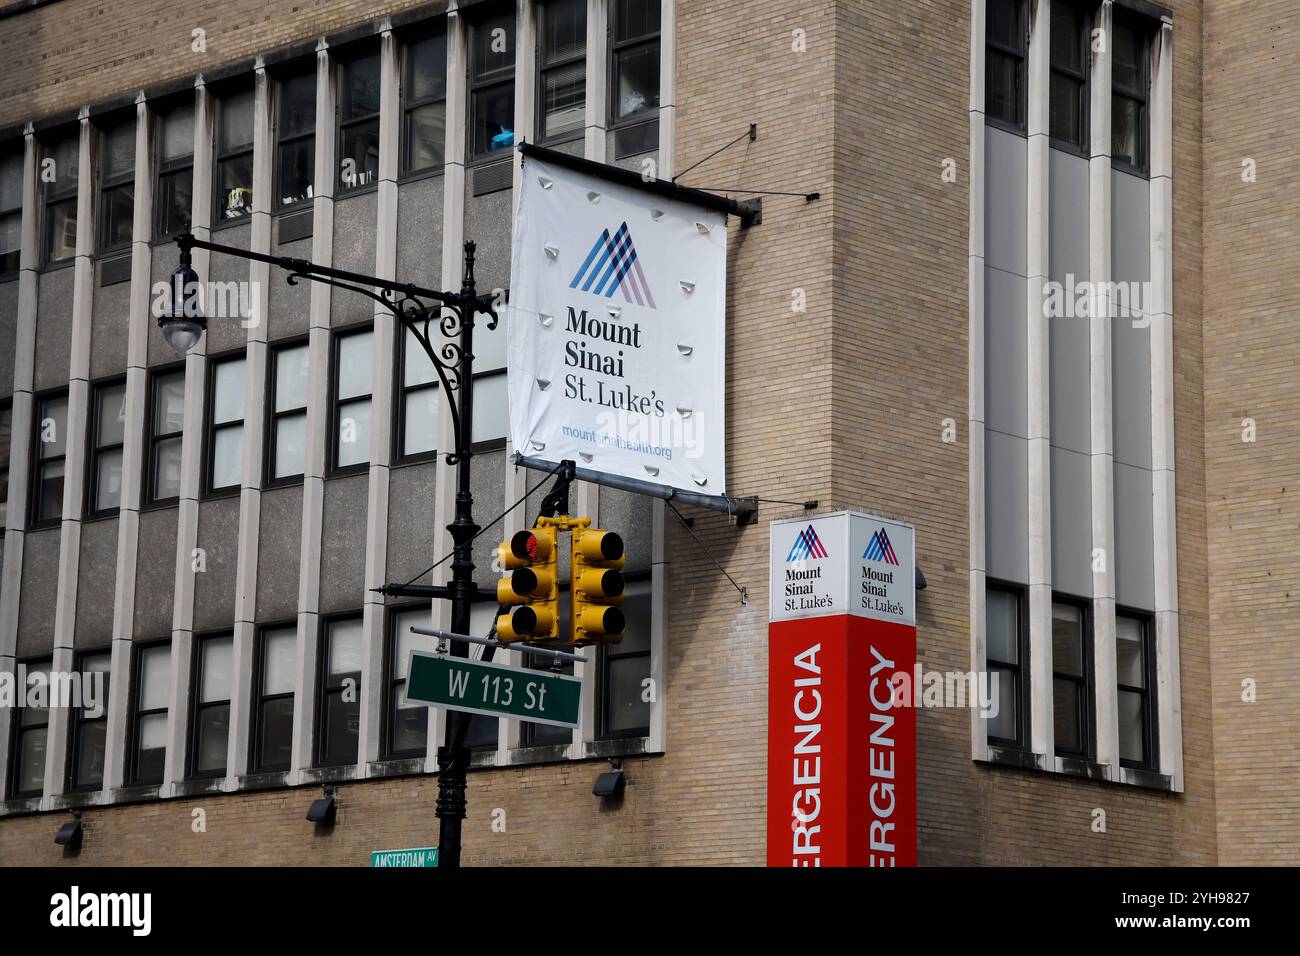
494,690
423,856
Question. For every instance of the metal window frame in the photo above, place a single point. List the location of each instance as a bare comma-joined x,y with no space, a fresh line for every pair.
221,103
1150,711
94,448
336,404
136,714
1083,14
210,426
78,722
608,653
1021,54
163,168
152,440
279,140
1144,34
544,66
34,519
402,391
17,729
14,150
273,415
475,85
614,47
325,690
52,195
391,684
343,62
198,706
260,698
105,185
7,408
407,105
1087,681
1020,668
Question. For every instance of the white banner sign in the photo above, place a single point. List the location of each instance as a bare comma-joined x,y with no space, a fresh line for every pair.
617,330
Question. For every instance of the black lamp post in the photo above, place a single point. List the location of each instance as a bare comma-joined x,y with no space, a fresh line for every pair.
417,310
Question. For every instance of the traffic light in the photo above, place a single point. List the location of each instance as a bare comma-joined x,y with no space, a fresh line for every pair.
597,587
529,587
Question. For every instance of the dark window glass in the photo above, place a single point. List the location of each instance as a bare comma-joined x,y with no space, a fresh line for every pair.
359,121
11,208
1134,660
625,668
106,452
226,424
1071,708
424,106
1003,644
166,423
31,732
563,67
50,445
287,435
234,172
6,445
277,667
214,685
540,735
89,725
1129,87
59,171
634,76
153,683
340,692
408,724
1004,79
175,199
1068,113
353,370
418,428
492,86
116,184
296,139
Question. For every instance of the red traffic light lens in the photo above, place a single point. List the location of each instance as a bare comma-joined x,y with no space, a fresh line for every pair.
524,545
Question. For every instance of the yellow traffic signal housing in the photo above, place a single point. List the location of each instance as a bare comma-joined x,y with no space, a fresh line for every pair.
597,587
529,586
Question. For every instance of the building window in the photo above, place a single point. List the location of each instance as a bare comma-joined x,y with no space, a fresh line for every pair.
492,85
31,730
153,687
408,724
60,169
295,152
340,692
634,76
1071,700
424,103
287,436
116,185
226,424
1006,37
11,208
108,415
276,676
1129,88
1004,642
214,681
166,421
562,63
89,726
353,370
6,441
1068,120
483,732
358,84
625,667
417,430
542,735
1135,678
174,200
234,172
50,450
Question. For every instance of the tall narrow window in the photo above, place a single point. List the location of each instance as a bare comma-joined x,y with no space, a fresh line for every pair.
50,452
234,172
273,736
352,381
295,151
11,208
174,201
634,75
492,85
1004,69
542,735
562,63
214,682
424,103
1135,677
625,668
90,724
109,418
408,724
6,442
1004,652
1129,88
153,685
286,438
418,428
60,166
483,732
116,185
1071,704
358,86
226,424
1068,121
340,706
166,420
32,730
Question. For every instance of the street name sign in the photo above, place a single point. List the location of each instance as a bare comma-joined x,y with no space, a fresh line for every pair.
494,690
418,857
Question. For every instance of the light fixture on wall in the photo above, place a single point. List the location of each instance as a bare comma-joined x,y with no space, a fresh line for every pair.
322,810
611,782
69,835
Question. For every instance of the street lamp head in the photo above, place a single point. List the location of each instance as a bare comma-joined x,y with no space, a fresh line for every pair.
182,323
